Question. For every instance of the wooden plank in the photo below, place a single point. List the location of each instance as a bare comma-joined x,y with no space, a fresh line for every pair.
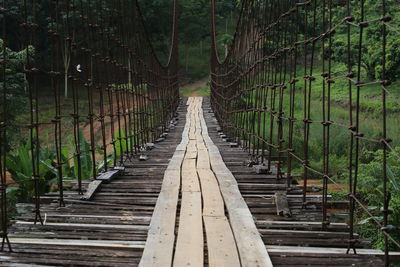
213,203
161,236
203,159
92,189
191,146
191,155
89,225
199,137
282,205
189,245
190,181
221,244
108,176
176,161
80,243
192,130
201,146
24,265
81,216
300,224
319,250
192,134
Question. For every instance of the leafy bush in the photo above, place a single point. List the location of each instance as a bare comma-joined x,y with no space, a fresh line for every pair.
16,87
371,190
19,164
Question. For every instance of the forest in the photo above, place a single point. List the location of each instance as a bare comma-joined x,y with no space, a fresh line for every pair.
194,57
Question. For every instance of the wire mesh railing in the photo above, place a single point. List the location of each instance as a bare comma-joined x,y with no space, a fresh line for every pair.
91,81
294,90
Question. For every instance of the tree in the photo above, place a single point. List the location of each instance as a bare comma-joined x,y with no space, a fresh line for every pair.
371,50
226,40
16,84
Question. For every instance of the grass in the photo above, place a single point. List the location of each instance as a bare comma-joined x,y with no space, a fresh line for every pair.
199,88
195,91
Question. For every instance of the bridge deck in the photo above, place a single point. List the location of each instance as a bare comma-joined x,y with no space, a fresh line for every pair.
194,204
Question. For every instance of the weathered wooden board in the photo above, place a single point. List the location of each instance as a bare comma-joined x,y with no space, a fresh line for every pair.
190,181
282,204
221,245
108,176
213,203
203,159
112,244
92,189
189,245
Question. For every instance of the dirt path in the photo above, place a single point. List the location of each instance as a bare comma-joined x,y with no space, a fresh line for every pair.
194,89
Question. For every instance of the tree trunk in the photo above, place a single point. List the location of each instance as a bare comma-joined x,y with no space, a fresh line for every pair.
66,83
129,74
187,58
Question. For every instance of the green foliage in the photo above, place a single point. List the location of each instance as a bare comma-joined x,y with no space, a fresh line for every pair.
338,195
12,199
15,85
194,31
19,164
225,40
130,86
199,91
371,190
371,50
120,143
70,168
158,17
192,58
85,159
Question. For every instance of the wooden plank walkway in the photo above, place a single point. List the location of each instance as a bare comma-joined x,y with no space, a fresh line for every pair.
194,202
212,211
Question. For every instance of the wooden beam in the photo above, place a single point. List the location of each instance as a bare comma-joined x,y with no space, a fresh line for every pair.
189,245
108,176
89,225
80,243
326,250
213,203
92,188
282,205
190,181
222,251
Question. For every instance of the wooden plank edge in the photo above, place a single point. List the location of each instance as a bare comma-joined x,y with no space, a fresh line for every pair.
244,229
80,243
